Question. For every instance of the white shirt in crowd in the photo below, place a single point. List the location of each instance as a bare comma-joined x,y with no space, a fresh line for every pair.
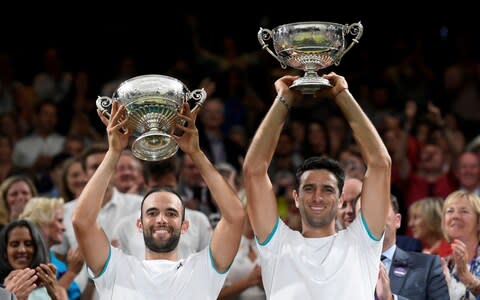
28,149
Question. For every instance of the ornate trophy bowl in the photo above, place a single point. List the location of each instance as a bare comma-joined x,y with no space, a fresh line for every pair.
309,46
152,103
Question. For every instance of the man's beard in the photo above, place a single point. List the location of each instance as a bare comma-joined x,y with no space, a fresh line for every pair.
164,246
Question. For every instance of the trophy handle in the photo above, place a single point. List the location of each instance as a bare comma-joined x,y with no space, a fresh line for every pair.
354,29
198,95
265,35
104,105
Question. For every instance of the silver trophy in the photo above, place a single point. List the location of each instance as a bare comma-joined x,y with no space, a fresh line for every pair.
152,103
310,46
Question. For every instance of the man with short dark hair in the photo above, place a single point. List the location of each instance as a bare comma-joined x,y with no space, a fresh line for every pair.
161,275
315,263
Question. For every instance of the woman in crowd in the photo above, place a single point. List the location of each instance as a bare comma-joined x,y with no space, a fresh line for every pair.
47,214
73,179
460,223
25,271
425,222
15,192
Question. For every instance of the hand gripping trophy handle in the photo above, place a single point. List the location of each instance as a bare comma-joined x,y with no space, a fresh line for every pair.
265,35
104,103
354,29
199,96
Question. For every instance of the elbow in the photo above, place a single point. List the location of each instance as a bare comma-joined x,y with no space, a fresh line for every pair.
382,162
254,169
238,216
78,222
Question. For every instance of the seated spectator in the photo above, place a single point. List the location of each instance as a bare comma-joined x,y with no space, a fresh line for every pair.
25,271
352,190
461,211
15,192
467,171
47,214
73,179
425,222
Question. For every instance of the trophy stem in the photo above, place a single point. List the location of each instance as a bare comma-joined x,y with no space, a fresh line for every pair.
310,83
154,145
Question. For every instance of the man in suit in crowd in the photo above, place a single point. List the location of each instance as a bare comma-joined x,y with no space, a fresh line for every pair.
411,275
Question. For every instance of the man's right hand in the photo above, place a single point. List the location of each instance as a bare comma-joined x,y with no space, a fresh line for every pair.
118,134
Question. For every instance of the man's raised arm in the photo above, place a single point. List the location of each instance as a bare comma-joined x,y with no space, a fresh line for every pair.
375,197
91,239
262,203
227,233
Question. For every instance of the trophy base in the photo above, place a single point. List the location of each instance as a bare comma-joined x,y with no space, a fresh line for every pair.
154,146
309,85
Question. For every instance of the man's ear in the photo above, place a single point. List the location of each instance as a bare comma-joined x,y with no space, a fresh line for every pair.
398,221
139,225
295,197
185,226
340,201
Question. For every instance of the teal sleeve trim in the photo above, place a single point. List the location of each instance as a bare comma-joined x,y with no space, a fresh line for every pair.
270,236
368,230
106,264
213,263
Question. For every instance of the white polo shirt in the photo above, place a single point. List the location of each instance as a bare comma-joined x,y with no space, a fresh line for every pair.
341,266
127,277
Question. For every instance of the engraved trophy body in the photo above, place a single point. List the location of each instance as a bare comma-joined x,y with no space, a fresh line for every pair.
152,103
310,46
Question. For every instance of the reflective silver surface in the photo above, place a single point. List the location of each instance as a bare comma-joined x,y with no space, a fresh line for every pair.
152,103
309,46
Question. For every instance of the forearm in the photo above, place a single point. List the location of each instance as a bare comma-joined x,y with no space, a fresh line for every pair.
262,147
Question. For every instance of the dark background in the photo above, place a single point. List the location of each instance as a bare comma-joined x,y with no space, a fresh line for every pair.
95,39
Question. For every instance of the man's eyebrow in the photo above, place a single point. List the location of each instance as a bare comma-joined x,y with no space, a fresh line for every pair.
151,209
172,209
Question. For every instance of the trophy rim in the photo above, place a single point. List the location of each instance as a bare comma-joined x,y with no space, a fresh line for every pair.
150,76
306,23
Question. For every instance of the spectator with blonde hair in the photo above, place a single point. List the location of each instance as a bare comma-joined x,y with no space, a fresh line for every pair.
425,222
15,192
47,214
461,216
